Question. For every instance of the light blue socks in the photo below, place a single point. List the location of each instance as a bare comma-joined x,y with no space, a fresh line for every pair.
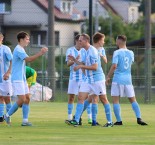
117,112
108,112
136,109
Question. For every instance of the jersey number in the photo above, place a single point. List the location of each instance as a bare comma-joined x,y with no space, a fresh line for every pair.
126,65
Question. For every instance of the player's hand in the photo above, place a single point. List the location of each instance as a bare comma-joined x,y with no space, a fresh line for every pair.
107,81
78,57
6,76
77,67
44,50
70,57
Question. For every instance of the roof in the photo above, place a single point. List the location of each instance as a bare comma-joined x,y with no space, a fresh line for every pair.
141,42
43,4
107,6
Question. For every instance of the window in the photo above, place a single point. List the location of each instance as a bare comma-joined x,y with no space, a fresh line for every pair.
5,6
38,37
57,43
66,6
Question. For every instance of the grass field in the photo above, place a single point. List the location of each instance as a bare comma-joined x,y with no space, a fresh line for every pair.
49,128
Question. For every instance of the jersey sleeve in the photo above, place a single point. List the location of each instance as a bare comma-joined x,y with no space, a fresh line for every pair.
22,54
115,58
103,52
8,53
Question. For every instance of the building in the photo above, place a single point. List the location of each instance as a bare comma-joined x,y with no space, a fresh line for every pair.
126,9
32,16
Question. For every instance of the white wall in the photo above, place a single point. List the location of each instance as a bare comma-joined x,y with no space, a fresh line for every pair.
133,14
123,8
24,12
67,32
83,5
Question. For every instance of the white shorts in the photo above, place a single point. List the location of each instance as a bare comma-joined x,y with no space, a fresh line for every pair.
6,89
97,88
20,88
73,87
122,90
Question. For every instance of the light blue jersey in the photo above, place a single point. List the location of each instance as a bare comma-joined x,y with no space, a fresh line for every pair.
101,51
5,58
76,75
18,64
124,59
93,57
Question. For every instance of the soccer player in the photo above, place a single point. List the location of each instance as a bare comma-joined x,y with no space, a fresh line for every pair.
98,42
5,78
31,76
122,81
20,86
74,56
94,85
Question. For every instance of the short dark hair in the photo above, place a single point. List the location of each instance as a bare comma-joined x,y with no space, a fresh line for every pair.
122,37
97,36
76,38
86,36
21,35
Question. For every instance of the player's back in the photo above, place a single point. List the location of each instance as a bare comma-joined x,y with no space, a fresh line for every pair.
124,59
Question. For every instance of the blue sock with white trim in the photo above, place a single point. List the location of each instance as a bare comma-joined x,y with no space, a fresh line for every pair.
108,112
70,109
25,110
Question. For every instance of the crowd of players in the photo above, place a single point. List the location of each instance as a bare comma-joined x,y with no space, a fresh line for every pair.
87,80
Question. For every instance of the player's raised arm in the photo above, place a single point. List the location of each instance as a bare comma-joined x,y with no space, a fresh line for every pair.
40,53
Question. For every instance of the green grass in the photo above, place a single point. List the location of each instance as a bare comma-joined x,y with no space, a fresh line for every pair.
49,128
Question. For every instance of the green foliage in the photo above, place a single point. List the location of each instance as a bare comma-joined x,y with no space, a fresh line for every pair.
133,31
39,64
61,65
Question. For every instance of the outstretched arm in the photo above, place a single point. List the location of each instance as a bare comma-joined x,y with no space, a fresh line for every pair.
33,57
